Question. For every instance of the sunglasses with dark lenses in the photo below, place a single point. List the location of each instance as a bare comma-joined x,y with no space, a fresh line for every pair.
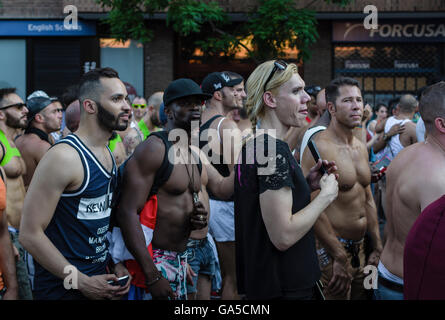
137,106
312,90
19,105
278,65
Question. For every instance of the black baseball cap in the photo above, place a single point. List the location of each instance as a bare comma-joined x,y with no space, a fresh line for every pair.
217,80
182,88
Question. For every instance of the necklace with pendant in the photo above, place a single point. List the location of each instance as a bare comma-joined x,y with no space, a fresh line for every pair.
191,180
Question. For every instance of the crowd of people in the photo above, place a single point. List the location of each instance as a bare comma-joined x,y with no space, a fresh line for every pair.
209,191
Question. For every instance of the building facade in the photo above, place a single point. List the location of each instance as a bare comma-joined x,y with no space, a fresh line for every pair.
404,54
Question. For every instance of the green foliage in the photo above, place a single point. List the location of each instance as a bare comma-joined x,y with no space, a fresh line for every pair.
273,25
278,24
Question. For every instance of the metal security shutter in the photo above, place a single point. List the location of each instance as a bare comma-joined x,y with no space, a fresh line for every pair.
56,64
386,71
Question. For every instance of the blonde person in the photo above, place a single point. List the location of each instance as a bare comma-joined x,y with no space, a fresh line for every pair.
274,215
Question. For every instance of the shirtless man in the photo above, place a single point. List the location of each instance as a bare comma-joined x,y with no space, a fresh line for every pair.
407,195
66,233
240,115
44,117
8,278
341,229
224,98
13,116
156,170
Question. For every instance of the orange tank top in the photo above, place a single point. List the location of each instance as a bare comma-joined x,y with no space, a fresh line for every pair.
2,210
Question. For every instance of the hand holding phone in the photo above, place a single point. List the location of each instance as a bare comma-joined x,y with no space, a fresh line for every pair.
316,155
120,281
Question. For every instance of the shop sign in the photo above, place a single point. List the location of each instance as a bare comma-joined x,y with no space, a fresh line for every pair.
403,64
389,32
40,28
357,64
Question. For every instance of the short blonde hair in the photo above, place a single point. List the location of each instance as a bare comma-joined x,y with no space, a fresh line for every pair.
255,86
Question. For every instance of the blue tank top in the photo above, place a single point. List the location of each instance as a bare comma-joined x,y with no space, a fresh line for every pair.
80,223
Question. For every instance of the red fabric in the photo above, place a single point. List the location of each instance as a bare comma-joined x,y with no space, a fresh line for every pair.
147,217
368,136
424,255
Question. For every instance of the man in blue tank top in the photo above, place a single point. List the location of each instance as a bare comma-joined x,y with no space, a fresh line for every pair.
66,213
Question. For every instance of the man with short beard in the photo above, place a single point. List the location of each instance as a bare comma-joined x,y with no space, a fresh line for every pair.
340,230
13,117
44,117
67,209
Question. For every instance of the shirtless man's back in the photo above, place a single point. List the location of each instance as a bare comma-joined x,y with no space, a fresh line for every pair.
414,180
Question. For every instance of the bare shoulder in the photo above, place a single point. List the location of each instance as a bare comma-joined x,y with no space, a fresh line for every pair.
148,156
31,143
227,124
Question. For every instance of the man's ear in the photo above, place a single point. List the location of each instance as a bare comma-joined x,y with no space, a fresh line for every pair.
89,106
39,118
168,112
439,123
217,95
269,100
331,108
2,115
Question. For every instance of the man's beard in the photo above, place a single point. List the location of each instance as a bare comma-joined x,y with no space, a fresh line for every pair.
108,121
15,123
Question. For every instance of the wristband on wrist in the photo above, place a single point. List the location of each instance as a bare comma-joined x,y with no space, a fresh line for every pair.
156,279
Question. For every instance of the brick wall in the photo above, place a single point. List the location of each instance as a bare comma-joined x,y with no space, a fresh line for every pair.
31,9
318,70
159,61
54,8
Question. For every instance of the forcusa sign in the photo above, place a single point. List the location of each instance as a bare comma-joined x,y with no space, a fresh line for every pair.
409,30
388,32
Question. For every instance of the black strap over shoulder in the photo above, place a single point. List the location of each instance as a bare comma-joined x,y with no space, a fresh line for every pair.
166,168
164,172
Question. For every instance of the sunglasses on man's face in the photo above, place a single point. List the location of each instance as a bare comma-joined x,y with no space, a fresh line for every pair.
139,106
278,65
19,105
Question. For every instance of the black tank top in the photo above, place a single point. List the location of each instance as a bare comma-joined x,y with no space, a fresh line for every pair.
220,166
161,176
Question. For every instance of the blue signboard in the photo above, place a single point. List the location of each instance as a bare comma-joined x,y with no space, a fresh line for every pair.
45,28
389,31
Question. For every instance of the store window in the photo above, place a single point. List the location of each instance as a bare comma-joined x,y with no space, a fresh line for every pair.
195,64
386,71
127,58
13,65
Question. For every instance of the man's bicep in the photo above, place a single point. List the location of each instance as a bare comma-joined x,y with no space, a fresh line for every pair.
139,174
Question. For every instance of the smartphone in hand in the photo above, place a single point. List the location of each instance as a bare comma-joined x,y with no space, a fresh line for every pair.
120,281
316,155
